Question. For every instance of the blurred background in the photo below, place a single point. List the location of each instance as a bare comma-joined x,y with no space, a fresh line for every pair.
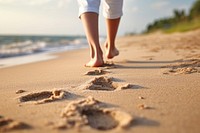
35,26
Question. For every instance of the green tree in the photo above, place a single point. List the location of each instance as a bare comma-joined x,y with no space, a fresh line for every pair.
179,15
195,10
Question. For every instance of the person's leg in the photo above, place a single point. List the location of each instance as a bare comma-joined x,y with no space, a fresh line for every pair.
90,24
112,12
88,13
112,28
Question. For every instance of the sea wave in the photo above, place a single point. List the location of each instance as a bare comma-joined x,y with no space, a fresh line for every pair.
21,48
28,46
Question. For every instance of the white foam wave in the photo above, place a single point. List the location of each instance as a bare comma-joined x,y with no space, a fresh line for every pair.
21,48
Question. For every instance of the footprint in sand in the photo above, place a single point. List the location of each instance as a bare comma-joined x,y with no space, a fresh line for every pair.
20,91
93,114
46,96
7,124
96,72
185,67
105,84
193,56
186,70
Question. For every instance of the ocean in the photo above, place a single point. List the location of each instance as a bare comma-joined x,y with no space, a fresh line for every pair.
20,45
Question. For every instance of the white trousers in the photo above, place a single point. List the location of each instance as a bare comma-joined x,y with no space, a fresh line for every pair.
112,9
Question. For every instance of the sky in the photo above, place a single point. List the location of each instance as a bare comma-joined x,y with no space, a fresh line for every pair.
60,17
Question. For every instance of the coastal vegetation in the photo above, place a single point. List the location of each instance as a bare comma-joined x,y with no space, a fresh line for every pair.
179,22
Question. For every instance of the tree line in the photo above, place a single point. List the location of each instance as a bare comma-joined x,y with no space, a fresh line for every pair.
179,16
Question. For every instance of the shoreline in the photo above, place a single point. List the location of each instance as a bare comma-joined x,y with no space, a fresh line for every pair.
21,60
32,58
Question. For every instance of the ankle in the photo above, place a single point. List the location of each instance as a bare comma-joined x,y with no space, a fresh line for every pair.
99,56
110,45
99,52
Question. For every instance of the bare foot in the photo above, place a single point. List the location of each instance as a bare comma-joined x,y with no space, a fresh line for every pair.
96,59
111,53
95,63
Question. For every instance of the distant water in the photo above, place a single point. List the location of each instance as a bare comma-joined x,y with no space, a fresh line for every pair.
12,46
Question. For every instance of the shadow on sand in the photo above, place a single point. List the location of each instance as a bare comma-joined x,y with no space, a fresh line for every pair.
140,121
159,64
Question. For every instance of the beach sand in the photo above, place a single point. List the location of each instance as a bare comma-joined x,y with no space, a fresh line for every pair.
152,86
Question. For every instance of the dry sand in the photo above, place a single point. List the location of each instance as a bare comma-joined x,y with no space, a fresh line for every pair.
153,86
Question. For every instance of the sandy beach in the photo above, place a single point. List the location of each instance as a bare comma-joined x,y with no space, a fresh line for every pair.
151,87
